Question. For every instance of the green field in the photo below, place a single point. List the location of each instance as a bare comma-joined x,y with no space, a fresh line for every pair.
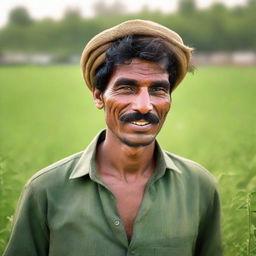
47,114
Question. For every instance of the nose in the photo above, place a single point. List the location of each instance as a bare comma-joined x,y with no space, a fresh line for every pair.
142,102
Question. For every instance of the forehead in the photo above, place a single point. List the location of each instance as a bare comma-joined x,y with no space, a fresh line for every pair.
139,70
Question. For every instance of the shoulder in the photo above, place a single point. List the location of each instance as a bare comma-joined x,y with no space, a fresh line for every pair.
197,181
55,173
194,172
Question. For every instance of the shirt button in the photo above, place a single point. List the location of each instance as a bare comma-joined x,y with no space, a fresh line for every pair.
116,222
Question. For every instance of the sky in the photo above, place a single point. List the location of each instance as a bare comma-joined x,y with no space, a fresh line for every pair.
39,9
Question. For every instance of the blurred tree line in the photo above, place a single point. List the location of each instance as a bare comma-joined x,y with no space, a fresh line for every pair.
217,28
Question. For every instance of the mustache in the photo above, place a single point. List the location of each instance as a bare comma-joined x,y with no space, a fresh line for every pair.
130,117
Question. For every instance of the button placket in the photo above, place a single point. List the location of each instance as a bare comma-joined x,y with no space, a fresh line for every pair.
111,212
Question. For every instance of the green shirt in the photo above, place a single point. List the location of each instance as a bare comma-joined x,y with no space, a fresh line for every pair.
66,210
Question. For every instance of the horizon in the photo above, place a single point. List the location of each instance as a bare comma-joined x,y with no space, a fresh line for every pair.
55,9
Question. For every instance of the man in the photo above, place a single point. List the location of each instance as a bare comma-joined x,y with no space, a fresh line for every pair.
124,195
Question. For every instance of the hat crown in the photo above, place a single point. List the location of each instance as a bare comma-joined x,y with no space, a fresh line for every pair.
94,52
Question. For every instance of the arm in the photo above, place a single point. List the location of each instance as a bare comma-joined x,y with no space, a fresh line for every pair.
29,235
209,236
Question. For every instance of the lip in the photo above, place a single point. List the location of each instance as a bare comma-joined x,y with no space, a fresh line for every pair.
140,128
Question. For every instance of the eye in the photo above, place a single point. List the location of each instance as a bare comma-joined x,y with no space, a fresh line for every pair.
125,89
159,90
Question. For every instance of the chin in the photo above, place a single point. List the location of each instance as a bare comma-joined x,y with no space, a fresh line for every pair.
139,141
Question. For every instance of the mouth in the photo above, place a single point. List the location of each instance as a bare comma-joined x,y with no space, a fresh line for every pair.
140,123
139,119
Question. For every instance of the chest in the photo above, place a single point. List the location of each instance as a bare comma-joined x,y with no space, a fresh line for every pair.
129,198
167,219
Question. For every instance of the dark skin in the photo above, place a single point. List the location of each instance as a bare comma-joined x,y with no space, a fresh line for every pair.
125,159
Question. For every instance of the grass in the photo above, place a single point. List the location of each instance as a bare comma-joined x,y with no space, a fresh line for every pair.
47,114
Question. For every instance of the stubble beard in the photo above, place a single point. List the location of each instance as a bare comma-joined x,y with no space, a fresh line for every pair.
133,144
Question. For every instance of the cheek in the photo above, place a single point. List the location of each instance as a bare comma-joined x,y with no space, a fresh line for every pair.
163,108
109,109
113,108
167,105
166,110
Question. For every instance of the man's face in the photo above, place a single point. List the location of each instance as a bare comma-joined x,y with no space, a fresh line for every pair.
136,102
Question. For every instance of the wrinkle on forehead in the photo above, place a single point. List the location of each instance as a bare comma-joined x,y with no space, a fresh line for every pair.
141,67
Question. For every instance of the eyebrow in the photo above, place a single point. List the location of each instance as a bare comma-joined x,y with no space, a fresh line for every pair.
126,81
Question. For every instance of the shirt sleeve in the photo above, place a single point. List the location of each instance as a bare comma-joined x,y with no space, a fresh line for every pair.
29,236
209,237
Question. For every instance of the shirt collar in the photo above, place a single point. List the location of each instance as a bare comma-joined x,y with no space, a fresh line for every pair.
169,162
85,164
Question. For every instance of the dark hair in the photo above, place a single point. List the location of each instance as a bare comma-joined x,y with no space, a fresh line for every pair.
123,50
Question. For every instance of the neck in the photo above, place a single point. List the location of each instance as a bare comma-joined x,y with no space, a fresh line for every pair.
124,162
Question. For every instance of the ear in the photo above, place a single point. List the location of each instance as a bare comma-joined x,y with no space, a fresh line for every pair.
98,98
